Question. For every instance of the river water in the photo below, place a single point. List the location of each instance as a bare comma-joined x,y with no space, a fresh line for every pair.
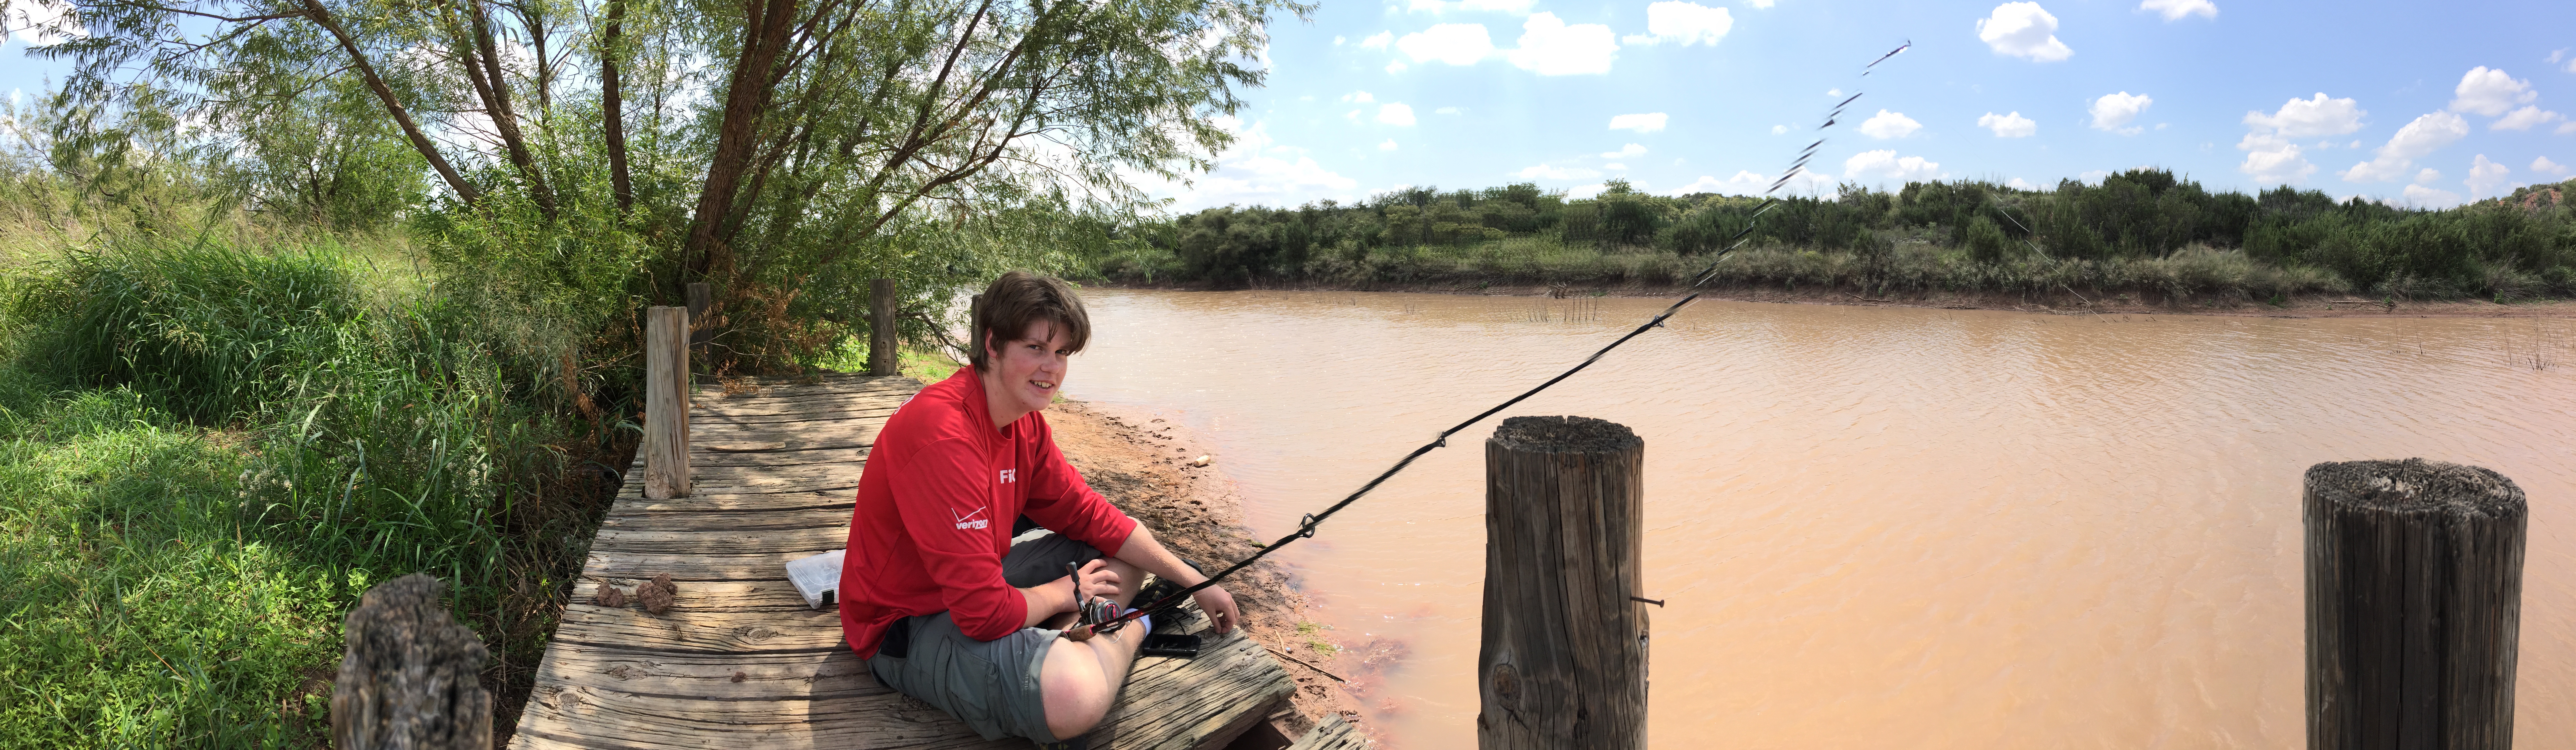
1876,527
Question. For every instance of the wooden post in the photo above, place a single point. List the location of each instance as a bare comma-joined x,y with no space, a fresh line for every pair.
2414,585
701,297
666,403
409,674
974,328
881,353
1563,662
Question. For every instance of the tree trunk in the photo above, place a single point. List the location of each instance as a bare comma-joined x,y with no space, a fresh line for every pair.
613,107
494,88
465,191
747,94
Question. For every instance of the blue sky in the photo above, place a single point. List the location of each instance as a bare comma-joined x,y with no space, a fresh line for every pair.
2419,103
2034,92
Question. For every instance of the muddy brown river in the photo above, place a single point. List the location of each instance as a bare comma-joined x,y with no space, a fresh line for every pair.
1876,528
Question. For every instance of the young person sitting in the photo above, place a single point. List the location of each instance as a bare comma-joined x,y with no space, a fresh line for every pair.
943,600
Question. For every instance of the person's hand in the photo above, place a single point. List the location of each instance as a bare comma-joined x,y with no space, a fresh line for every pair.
1094,580
1219,607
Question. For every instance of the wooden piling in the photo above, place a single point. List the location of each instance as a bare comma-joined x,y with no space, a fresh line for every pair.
1563,661
408,674
666,402
2414,600
975,327
881,345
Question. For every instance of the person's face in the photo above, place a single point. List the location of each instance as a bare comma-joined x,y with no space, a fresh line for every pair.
1030,367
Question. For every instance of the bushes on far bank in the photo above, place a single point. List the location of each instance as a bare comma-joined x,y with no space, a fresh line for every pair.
2142,232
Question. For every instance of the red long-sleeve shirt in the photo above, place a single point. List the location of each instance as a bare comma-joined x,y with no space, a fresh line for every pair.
935,507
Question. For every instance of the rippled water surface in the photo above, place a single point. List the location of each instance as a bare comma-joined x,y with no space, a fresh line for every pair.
1877,528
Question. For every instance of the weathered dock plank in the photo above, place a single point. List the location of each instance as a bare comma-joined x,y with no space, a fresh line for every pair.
739,660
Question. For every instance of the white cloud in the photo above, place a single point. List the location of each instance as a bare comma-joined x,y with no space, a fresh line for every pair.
2008,126
1513,7
1887,125
1256,170
1452,43
2565,128
1615,167
2092,176
2428,176
2174,10
2525,118
1394,67
2114,110
2487,178
1779,129
1886,164
1588,192
1395,113
2020,184
1643,123
2544,166
1379,40
26,22
1751,183
2425,197
1551,48
1551,172
1629,151
2306,118
1685,22
2023,30
2273,160
2415,141
1833,93
1758,3
2490,92
1389,145
1358,97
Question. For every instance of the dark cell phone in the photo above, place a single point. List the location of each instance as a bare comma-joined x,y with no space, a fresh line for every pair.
1171,644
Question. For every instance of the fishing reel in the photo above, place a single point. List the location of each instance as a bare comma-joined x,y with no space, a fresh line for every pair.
1097,614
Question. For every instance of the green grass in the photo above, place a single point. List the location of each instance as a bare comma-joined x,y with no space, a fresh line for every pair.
211,451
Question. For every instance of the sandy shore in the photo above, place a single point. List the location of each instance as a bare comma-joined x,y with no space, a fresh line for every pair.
1143,465
2061,303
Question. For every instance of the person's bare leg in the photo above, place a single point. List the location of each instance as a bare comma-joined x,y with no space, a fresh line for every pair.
1080,680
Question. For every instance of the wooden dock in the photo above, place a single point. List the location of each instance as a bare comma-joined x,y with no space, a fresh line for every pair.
738,661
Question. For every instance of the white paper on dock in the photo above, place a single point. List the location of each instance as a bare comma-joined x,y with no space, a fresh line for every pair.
816,577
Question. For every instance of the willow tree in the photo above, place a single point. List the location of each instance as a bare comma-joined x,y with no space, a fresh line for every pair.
751,144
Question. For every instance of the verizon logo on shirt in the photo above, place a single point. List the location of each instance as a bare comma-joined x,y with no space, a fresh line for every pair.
963,521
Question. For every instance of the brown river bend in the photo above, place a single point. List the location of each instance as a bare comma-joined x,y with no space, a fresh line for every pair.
1876,527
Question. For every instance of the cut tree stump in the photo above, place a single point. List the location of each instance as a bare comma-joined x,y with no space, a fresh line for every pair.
410,675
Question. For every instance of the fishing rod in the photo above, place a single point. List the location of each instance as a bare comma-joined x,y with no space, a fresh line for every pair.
1306,526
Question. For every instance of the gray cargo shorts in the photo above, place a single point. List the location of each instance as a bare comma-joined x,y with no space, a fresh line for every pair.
991,686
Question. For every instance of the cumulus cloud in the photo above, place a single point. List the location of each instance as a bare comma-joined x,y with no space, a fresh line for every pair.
1644,123
2023,30
2273,160
1257,170
1886,164
2309,118
2175,10
1753,183
1452,43
1629,151
1389,145
2487,178
1513,7
1395,113
2525,118
2426,197
2490,92
1685,22
2544,166
1553,172
2008,126
2115,110
2020,184
1887,125
1759,4
1549,47
2415,141
1358,97
1779,129
1380,40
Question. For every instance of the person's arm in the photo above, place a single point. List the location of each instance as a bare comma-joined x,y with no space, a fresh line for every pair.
941,493
1147,553
1056,597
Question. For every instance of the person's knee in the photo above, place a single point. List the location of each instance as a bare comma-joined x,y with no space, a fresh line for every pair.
1076,692
1130,579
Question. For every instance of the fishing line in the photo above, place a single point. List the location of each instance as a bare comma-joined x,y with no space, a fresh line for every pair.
1306,526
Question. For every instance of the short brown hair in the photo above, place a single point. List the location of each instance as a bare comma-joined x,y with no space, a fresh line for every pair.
1019,298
